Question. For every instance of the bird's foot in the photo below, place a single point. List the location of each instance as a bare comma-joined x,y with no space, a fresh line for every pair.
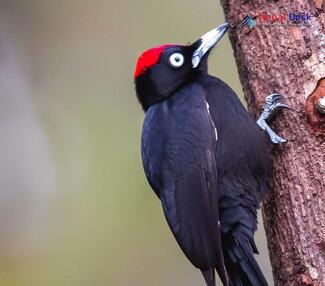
272,106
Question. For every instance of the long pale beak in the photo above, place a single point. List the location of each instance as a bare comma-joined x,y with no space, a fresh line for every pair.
208,41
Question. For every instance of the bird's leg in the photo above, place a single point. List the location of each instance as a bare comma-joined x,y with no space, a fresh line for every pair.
272,106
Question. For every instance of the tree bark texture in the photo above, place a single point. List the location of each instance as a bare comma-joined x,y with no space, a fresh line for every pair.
276,56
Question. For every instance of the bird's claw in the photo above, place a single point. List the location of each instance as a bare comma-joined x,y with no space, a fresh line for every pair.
273,98
273,103
272,106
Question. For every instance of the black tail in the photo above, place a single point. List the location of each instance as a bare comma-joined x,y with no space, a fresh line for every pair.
241,265
209,277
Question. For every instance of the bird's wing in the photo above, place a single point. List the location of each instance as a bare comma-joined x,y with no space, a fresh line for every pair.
178,150
244,167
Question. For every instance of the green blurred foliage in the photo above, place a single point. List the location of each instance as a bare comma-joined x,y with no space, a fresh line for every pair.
103,225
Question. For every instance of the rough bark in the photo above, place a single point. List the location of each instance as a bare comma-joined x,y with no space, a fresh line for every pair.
289,59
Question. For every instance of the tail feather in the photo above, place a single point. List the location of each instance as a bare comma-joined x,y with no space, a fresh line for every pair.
209,277
240,262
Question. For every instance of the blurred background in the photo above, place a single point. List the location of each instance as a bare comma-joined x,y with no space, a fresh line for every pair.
75,208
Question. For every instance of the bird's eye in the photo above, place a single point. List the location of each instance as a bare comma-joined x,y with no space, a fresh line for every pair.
176,60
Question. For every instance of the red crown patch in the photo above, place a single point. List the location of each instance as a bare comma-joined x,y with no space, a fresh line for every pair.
148,59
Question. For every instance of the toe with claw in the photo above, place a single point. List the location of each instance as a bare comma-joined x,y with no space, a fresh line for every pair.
272,106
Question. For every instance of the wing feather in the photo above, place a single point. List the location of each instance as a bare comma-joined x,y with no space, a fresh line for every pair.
178,151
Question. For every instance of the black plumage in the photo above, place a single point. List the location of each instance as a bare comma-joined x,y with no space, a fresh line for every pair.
206,159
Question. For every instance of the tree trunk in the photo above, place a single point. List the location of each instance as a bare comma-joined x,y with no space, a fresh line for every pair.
288,59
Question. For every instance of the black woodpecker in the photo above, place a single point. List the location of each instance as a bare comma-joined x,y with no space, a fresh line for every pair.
205,158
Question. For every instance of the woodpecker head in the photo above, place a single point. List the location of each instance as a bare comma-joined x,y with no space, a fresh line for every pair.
162,70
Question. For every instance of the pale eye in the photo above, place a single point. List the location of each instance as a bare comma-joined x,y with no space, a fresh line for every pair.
177,60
